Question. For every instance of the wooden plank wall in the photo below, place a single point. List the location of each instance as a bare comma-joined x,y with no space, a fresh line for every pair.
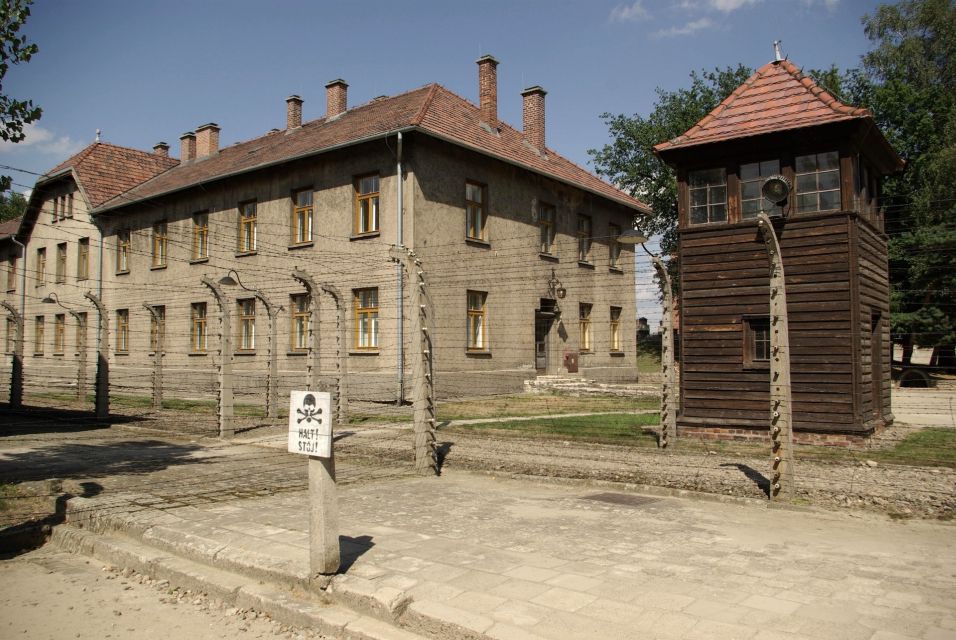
725,277
872,278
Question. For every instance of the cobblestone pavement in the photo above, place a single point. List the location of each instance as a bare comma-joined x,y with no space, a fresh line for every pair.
506,558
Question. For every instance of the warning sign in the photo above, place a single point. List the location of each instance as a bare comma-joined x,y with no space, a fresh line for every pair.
310,423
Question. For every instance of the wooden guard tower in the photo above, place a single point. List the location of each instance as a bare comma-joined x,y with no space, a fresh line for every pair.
830,227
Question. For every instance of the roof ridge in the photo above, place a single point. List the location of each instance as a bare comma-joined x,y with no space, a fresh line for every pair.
432,92
820,93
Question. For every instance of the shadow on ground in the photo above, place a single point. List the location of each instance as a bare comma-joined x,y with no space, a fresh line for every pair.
758,478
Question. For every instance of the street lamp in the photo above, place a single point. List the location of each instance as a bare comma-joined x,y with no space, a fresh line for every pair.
669,382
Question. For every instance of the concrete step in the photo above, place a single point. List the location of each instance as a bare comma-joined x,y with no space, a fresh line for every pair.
287,604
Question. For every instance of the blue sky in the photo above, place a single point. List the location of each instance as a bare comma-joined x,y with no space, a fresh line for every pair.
148,71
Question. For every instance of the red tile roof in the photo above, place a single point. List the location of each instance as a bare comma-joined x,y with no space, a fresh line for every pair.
431,109
107,170
9,227
777,97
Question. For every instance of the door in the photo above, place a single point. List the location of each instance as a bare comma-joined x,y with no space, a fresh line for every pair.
542,326
876,362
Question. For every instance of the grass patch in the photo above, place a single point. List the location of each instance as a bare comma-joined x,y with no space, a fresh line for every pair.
539,404
616,428
648,362
146,402
363,417
926,447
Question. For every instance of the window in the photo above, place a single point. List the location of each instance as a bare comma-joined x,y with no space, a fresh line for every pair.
613,246
366,204
38,337
615,328
69,205
122,331
584,321
247,324
56,209
546,217
300,322
197,323
83,259
247,227
366,318
11,338
477,322
200,236
302,216
160,244
476,196
59,333
818,182
756,342
61,262
157,328
12,273
41,267
752,177
122,251
81,330
708,196
584,239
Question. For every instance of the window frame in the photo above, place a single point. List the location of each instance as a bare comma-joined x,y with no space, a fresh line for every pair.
585,236
613,247
817,172
122,331
11,274
10,341
246,325
198,327
41,266
59,334
775,209
248,230
709,190
39,334
369,331
752,326
124,239
372,197
61,255
200,236
547,217
476,212
306,213
160,253
299,313
157,328
615,329
83,259
477,318
585,334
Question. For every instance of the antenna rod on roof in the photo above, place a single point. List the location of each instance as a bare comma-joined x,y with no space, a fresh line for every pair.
777,56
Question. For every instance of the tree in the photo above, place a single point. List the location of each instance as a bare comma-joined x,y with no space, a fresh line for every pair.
14,49
12,206
629,160
909,83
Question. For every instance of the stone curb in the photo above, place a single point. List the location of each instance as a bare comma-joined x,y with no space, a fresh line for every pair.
289,606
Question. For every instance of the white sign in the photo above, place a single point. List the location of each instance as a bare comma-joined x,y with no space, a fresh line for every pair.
310,423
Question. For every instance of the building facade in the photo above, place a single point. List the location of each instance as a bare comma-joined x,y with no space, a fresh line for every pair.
516,245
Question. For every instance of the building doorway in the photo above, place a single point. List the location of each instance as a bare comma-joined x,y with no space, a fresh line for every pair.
543,321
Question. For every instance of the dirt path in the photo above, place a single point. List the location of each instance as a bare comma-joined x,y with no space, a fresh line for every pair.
48,594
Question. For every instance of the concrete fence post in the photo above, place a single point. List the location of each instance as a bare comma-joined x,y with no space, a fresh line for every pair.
669,388
16,367
157,356
312,364
81,356
102,356
226,411
340,395
781,409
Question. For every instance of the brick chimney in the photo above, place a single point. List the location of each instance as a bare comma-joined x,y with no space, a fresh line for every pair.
533,116
293,112
488,90
161,149
187,146
207,140
336,98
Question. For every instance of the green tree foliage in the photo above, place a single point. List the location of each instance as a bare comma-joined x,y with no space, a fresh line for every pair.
909,82
14,49
629,160
12,206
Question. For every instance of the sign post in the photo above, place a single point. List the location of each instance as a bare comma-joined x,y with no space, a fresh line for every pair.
310,433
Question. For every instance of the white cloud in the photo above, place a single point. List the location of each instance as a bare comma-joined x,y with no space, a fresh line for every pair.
686,30
830,5
40,140
629,13
727,6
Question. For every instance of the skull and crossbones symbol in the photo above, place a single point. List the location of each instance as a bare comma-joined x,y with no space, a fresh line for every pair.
309,411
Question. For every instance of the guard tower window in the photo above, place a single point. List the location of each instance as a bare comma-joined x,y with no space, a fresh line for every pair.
818,182
708,196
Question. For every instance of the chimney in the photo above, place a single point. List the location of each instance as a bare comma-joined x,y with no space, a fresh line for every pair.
336,98
161,149
293,112
533,116
187,146
207,140
488,90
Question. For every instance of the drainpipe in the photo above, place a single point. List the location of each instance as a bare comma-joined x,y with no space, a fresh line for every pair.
399,269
